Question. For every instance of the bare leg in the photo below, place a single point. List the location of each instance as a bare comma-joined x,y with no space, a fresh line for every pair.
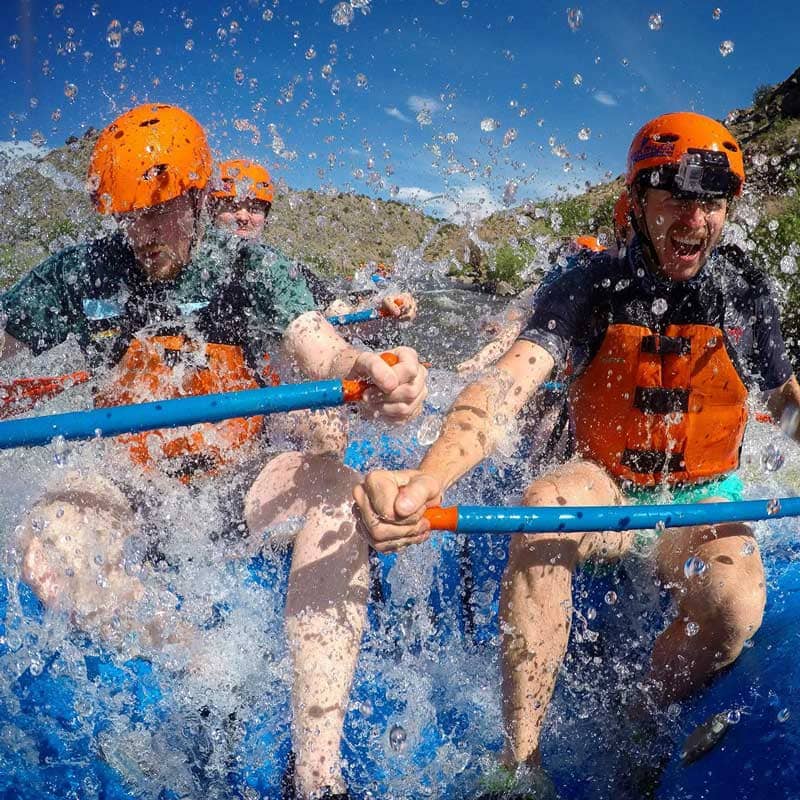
536,602
72,557
725,603
326,601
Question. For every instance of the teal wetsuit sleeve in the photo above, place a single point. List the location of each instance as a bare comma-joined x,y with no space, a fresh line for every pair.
40,309
289,291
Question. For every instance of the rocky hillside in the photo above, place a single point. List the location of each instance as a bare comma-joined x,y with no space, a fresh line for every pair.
44,207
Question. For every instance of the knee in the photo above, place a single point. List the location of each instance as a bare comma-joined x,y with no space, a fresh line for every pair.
733,613
543,493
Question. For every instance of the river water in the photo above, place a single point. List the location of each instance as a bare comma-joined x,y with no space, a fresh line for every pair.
211,720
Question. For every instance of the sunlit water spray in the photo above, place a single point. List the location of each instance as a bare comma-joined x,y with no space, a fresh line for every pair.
424,716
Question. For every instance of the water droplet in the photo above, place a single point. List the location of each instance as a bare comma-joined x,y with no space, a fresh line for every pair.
610,598
574,18
14,41
625,62
772,225
692,629
138,27
726,48
591,613
789,265
342,14
774,507
60,451
488,124
716,13
424,117
748,643
577,79
70,91
189,45
748,548
429,431
783,715
361,80
310,53
38,139
397,738
655,22
733,716
772,458
510,193
114,33
267,15
659,306
238,75
58,9
509,136
694,567
95,9
584,134
120,62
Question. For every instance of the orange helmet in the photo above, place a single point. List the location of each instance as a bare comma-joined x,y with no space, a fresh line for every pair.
149,155
688,154
589,243
622,218
244,179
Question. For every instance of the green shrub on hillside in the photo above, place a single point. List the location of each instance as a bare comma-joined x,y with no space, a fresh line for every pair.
509,263
575,215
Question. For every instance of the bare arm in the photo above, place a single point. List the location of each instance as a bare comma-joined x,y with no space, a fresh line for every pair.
397,392
493,350
481,415
391,504
313,344
784,405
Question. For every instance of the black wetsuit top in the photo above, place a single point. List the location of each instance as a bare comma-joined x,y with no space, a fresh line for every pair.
573,311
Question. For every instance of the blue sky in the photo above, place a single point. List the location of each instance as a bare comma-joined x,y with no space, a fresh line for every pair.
392,104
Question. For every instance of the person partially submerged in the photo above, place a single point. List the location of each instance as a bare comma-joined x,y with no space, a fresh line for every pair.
668,337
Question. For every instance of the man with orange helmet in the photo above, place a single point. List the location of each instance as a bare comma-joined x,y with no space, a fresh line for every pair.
667,338
159,316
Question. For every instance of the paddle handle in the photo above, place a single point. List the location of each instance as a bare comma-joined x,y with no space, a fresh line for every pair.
353,390
582,519
115,420
366,315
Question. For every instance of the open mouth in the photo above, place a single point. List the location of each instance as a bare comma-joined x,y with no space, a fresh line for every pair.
686,247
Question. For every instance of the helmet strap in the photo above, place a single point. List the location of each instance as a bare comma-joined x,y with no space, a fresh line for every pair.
640,228
197,199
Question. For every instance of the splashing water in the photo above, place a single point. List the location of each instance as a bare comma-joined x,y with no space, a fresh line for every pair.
574,18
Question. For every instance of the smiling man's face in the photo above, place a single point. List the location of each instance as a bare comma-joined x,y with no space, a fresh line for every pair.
683,232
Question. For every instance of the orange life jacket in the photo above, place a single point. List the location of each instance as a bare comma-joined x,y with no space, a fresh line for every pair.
652,408
165,367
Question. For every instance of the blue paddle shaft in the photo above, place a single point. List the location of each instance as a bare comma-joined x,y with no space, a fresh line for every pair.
528,519
356,316
169,413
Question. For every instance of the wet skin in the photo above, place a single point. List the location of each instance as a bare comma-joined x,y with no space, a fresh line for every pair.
162,237
683,232
245,218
